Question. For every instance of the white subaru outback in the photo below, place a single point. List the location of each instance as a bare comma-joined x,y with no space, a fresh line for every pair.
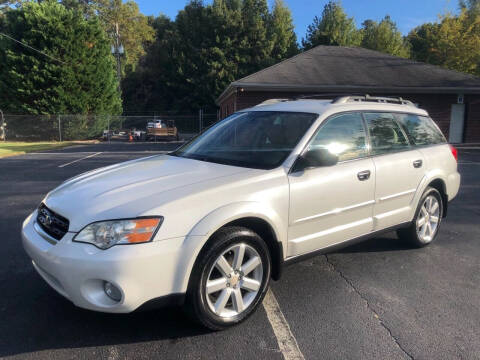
209,224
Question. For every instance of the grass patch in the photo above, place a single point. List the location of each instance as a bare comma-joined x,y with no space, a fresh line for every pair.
10,148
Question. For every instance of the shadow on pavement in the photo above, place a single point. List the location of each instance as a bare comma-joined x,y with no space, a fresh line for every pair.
35,318
378,244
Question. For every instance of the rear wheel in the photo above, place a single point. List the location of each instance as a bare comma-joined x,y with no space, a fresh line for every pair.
424,227
229,279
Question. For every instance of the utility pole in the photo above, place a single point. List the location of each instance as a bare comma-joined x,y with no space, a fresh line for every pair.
117,51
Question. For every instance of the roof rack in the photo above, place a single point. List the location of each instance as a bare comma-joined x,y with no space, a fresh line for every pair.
325,96
272,101
368,98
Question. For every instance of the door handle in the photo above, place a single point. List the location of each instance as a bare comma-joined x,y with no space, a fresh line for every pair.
363,175
417,163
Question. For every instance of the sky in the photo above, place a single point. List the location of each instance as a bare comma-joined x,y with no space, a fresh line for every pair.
406,13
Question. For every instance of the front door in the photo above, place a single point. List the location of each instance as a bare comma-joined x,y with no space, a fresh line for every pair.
329,205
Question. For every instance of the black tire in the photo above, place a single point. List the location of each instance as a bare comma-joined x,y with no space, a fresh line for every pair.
410,233
196,304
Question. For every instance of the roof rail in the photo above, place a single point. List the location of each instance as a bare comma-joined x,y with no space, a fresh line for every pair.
272,101
325,96
368,98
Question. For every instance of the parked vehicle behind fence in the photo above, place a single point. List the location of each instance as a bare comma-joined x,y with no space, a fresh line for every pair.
162,130
208,225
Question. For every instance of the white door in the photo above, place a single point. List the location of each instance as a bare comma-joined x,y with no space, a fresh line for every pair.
399,169
332,204
456,123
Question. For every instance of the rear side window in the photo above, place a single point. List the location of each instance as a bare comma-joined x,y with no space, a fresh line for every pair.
420,129
385,134
342,135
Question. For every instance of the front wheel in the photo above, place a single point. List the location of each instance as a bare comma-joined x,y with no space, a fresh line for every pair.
424,227
229,279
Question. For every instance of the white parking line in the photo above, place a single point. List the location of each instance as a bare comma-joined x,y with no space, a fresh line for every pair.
74,161
286,341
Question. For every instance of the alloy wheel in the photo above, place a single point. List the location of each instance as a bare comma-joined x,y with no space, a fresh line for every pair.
428,219
234,280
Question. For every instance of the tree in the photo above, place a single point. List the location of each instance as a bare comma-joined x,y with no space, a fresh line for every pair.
227,47
133,28
152,85
75,73
333,28
85,7
471,6
282,32
256,45
384,37
453,42
194,58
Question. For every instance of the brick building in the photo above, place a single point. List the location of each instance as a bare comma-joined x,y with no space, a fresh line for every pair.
452,98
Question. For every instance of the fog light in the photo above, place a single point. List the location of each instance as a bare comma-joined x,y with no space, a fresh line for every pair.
112,291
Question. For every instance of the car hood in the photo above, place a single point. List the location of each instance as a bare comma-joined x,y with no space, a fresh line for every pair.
129,189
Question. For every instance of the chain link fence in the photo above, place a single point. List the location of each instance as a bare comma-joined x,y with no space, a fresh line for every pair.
100,127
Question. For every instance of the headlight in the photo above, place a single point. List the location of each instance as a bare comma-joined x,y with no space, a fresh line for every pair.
105,234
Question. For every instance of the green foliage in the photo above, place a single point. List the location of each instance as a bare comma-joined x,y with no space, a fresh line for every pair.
79,79
257,46
384,37
453,43
282,32
471,6
194,58
333,28
183,65
133,28
150,86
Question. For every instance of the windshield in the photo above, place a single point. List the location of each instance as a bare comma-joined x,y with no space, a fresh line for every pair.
255,139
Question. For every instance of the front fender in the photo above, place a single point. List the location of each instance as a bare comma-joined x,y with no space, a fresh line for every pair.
201,232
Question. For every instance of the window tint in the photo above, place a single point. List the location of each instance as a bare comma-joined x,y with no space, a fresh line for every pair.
342,135
420,129
385,134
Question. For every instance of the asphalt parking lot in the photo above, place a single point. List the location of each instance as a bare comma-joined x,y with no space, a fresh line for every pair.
375,300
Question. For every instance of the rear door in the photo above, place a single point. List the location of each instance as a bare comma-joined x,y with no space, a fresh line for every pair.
399,169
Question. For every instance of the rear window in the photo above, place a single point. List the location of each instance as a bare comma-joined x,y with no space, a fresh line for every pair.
385,134
420,129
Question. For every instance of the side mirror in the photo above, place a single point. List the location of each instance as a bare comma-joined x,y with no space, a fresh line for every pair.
315,158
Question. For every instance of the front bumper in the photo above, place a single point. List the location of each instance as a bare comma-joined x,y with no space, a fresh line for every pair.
77,271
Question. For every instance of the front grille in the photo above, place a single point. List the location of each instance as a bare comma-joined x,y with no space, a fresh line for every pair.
53,224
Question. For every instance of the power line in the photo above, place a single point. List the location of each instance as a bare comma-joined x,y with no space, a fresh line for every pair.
32,48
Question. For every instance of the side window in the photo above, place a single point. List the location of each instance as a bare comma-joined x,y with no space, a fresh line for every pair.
342,135
385,134
420,129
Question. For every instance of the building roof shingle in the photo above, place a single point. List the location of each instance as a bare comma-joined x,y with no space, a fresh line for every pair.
338,68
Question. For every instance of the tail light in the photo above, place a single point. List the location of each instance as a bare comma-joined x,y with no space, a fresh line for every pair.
454,152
